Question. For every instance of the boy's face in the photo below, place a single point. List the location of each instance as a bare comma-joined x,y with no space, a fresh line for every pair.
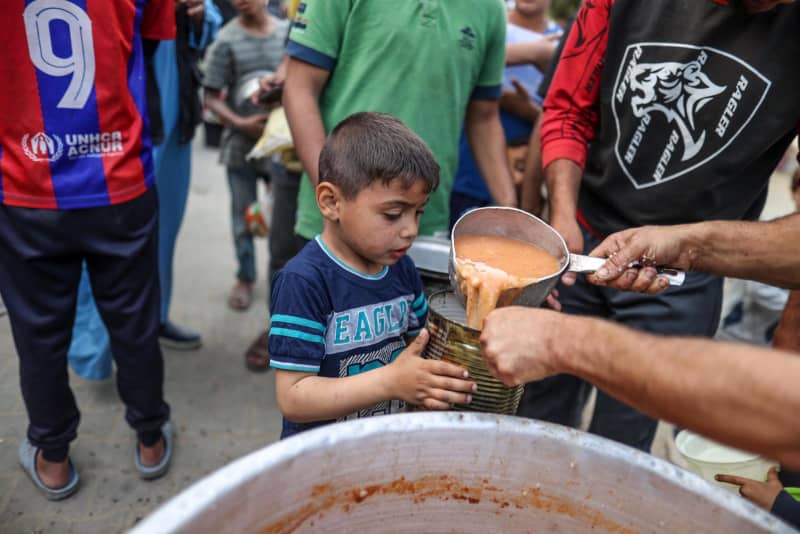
377,227
249,7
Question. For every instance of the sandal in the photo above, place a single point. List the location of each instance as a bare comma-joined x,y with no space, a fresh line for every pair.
27,459
257,355
241,296
151,472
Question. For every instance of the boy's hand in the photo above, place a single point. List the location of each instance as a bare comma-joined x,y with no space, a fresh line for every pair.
761,493
434,384
266,85
253,125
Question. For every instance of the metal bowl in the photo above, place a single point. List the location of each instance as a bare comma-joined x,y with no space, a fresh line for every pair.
523,226
453,472
515,224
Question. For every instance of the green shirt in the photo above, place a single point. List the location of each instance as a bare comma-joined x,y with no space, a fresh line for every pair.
419,60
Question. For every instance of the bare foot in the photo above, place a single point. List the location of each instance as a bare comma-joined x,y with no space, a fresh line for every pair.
54,475
151,456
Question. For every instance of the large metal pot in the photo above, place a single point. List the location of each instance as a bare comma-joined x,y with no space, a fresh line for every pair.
454,472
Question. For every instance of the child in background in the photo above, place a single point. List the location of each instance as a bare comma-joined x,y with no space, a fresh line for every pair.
343,307
246,48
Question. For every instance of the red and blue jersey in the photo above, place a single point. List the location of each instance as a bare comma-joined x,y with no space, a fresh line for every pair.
73,121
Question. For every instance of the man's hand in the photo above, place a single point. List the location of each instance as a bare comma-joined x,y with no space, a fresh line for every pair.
761,493
517,343
253,125
434,384
650,246
269,84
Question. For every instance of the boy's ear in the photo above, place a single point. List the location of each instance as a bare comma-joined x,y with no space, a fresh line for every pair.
329,200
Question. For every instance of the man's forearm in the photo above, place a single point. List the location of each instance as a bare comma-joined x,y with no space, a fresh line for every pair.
488,143
563,178
741,395
768,252
305,122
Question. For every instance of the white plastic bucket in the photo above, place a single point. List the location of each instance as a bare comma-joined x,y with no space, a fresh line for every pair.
708,458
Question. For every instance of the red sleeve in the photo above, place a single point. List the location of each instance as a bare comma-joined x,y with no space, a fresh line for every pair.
158,22
571,107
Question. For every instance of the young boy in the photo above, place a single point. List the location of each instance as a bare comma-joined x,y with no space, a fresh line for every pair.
342,308
246,48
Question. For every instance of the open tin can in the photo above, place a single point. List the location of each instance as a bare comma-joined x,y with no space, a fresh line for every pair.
453,341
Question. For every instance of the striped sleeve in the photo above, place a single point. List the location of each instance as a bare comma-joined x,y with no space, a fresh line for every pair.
297,324
218,67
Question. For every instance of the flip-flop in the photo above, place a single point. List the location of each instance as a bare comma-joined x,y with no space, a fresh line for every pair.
151,472
27,459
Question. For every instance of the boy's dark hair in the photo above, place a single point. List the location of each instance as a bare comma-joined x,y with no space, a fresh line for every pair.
366,147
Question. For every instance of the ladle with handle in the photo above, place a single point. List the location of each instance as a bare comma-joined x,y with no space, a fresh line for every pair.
521,225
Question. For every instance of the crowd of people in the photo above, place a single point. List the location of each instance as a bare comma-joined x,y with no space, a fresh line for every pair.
655,138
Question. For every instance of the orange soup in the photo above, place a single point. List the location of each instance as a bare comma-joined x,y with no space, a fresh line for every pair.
490,265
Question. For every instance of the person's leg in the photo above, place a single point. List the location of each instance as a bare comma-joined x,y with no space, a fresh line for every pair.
283,245
39,275
122,260
243,183
90,351
692,309
173,171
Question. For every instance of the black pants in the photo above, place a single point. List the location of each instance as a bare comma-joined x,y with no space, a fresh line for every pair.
40,266
284,244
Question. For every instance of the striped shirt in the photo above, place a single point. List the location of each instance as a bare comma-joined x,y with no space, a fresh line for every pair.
333,321
73,126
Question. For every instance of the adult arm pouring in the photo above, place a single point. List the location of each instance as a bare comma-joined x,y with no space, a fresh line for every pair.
697,384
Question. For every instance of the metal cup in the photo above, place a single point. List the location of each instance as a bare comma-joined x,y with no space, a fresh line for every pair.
453,341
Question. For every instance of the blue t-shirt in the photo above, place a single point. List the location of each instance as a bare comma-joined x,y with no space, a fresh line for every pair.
468,179
331,320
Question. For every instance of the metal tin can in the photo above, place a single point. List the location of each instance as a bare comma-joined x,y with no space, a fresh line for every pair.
453,341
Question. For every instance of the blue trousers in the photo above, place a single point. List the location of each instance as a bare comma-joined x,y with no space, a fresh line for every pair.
243,183
41,253
692,309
